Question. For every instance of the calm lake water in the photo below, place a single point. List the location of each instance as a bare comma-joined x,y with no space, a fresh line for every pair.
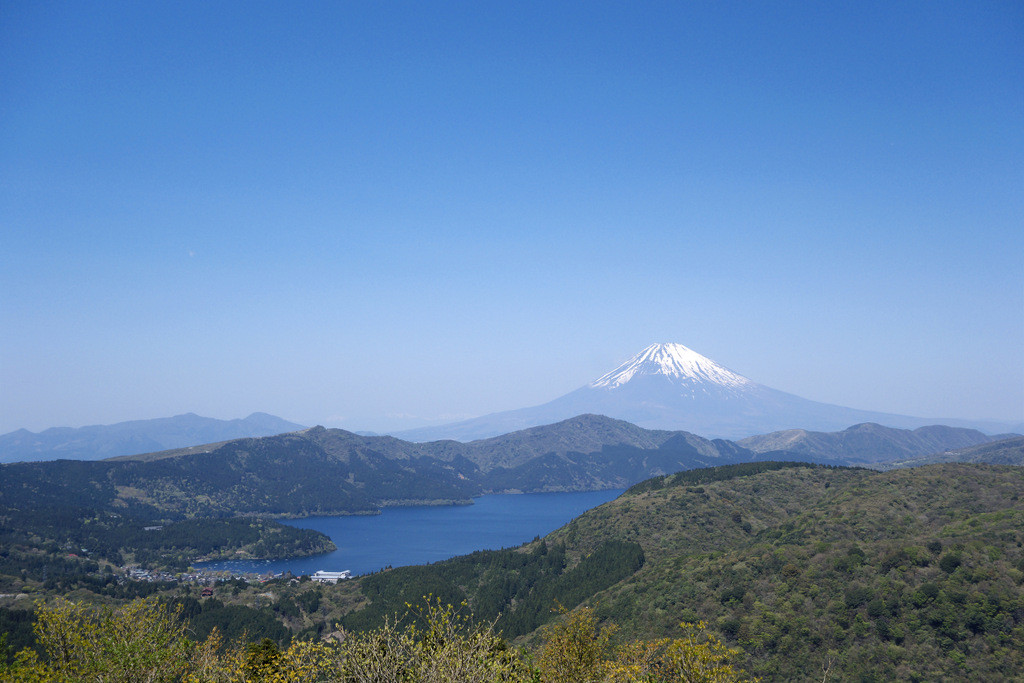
417,535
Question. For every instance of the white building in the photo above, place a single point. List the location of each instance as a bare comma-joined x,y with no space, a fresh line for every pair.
331,577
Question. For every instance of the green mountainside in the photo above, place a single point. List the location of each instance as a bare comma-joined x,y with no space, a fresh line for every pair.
99,505
815,572
857,574
330,471
50,509
586,452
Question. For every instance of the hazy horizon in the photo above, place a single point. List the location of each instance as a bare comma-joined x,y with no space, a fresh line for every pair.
384,424
350,214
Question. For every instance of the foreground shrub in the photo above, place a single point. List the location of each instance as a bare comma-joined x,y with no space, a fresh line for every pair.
577,649
145,642
140,641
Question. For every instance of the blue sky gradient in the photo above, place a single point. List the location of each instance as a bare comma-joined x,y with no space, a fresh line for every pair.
373,215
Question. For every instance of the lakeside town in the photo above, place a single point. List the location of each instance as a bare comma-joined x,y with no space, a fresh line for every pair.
203,576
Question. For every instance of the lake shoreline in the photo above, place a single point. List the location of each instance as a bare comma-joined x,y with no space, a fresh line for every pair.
402,535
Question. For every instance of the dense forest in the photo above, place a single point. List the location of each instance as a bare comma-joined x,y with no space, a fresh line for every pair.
911,575
515,589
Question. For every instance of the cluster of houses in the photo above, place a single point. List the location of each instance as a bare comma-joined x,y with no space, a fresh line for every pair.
140,574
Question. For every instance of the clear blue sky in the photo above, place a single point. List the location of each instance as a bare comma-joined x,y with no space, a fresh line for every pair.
369,214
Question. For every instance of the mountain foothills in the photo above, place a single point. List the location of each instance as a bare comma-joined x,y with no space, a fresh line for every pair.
669,386
814,572
808,568
99,506
138,436
810,572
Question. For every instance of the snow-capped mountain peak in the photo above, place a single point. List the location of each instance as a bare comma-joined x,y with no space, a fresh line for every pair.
668,386
674,361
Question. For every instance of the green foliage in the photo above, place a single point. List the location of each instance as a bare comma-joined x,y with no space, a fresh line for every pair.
707,475
232,622
143,642
841,570
900,574
310,600
138,642
577,650
518,589
64,545
16,627
610,563
949,562
811,572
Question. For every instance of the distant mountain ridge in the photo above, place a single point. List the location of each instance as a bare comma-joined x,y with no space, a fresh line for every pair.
328,471
669,386
867,443
1008,451
333,471
320,471
97,442
586,452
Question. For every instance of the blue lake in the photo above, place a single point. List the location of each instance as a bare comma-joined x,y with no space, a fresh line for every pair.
418,535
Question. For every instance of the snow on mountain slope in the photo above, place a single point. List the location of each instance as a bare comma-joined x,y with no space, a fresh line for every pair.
675,361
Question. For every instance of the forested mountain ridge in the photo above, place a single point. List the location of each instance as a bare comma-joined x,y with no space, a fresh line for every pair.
330,471
586,452
101,505
913,574
864,575
51,508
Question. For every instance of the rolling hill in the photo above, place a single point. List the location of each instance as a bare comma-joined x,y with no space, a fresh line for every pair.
815,572
317,471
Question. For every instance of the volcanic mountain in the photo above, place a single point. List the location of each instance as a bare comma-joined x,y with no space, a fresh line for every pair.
669,386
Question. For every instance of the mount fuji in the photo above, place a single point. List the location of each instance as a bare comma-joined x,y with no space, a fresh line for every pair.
669,386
